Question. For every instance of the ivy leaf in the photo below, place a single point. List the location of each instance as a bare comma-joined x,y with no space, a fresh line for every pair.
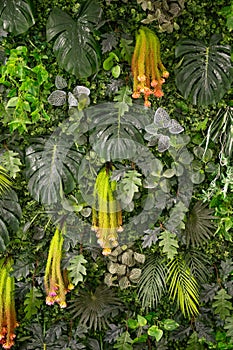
33,302
222,306
168,241
76,269
128,186
124,342
16,16
154,331
11,162
75,47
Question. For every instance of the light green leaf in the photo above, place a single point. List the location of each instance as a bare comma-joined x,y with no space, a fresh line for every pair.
128,186
33,302
222,305
170,325
76,269
141,320
169,243
154,331
11,162
124,342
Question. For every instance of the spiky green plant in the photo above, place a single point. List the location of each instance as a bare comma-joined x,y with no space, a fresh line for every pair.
183,287
199,226
152,283
5,181
95,308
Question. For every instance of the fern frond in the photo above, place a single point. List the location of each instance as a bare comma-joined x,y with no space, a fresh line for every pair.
152,283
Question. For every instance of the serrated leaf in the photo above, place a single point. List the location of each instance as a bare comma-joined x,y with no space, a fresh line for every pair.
32,302
16,16
169,243
222,306
128,186
11,162
151,237
76,269
112,333
123,99
228,326
124,342
126,49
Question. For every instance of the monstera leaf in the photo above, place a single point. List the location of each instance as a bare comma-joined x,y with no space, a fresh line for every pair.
10,214
204,73
52,168
75,47
16,16
116,136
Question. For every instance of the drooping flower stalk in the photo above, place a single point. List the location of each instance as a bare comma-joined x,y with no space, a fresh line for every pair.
148,71
8,321
56,286
106,212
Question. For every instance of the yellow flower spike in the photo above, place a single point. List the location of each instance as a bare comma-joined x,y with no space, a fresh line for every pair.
147,68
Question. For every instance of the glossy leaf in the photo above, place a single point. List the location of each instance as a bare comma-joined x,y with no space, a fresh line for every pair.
75,48
16,16
52,168
205,72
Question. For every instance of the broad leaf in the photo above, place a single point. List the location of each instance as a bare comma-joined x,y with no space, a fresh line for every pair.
16,16
52,168
205,72
75,48
10,214
76,269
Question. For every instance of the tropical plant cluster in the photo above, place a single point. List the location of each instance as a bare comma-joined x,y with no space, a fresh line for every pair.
116,190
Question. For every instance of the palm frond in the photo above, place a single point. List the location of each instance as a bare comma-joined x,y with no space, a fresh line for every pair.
152,283
199,226
198,263
95,308
5,181
183,287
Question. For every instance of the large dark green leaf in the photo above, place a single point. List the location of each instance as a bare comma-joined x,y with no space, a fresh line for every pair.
75,48
10,214
16,16
204,73
52,168
116,136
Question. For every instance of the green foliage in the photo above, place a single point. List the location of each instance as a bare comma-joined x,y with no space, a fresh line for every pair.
227,12
199,226
49,170
229,327
75,47
204,73
76,269
32,302
124,342
222,305
5,181
152,283
95,308
16,16
10,215
128,186
11,161
23,103
168,241
183,287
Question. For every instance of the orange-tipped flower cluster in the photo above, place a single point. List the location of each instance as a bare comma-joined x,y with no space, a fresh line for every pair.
149,73
56,286
8,321
106,212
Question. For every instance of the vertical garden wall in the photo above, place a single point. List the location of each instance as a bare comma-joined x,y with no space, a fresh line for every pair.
116,174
